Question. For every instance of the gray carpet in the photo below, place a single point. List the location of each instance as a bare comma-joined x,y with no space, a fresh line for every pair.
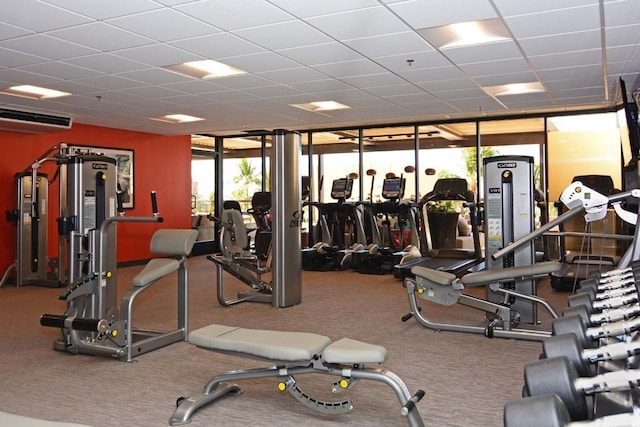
467,378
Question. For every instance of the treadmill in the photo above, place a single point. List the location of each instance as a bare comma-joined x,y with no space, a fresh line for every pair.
578,266
458,261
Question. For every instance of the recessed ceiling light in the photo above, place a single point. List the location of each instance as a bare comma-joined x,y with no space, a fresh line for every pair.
321,106
466,33
207,69
514,89
33,92
177,118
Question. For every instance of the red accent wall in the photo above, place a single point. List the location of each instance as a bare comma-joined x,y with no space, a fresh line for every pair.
161,163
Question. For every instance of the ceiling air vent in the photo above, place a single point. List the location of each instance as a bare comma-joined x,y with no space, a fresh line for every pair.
29,121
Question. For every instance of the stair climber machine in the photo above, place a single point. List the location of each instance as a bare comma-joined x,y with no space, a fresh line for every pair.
90,209
441,253
249,263
597,250
380,259
340,227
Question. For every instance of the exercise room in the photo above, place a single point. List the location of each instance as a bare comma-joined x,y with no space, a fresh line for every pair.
349,213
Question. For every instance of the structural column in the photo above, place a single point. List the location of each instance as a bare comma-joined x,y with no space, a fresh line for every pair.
286,219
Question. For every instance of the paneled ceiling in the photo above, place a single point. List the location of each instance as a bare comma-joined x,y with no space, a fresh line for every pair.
366,54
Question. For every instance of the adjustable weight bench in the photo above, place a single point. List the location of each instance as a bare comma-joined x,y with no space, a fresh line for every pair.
13,420
295,353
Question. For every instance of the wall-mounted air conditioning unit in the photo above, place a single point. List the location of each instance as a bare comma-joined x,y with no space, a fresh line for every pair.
15,119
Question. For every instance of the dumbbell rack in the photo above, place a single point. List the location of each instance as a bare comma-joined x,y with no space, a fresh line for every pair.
591,363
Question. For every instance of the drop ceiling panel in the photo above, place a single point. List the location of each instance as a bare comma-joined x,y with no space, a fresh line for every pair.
216,46
322,86
232,15
37,16
265,61
484,53
500,79
9,31
13,58
432,13
109,82
47,47
620,13
389,44
325,53
568,59
154,76
104,37
157,55
403,89
350,68
563,21
623,36
283,35
59,70
359,23
479,69
432,74
561,43
293,75
306,9
419,60
374,80
106,63
104,10
510,7
174,25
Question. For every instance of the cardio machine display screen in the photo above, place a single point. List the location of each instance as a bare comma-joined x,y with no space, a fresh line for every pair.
392,188
341,188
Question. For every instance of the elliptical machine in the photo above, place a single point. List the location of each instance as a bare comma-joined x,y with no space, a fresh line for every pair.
331,252
381,259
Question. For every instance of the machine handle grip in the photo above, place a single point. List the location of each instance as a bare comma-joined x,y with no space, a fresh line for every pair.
154,203
119,202
411,404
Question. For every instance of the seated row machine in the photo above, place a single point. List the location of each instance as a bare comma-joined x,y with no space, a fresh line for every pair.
445,288
236,256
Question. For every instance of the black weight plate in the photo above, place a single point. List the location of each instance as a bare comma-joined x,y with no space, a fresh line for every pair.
556,376
581,299
579,310
572,325
567,345
538,411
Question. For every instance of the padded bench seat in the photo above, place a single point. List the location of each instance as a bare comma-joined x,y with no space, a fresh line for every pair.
286,346
13,420
481,278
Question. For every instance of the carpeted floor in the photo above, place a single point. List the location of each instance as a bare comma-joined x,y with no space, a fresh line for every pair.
467,378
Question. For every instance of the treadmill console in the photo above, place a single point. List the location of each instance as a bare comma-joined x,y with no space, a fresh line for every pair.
393,188
341,188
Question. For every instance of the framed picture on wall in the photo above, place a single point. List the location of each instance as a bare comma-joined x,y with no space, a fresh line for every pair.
124,167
